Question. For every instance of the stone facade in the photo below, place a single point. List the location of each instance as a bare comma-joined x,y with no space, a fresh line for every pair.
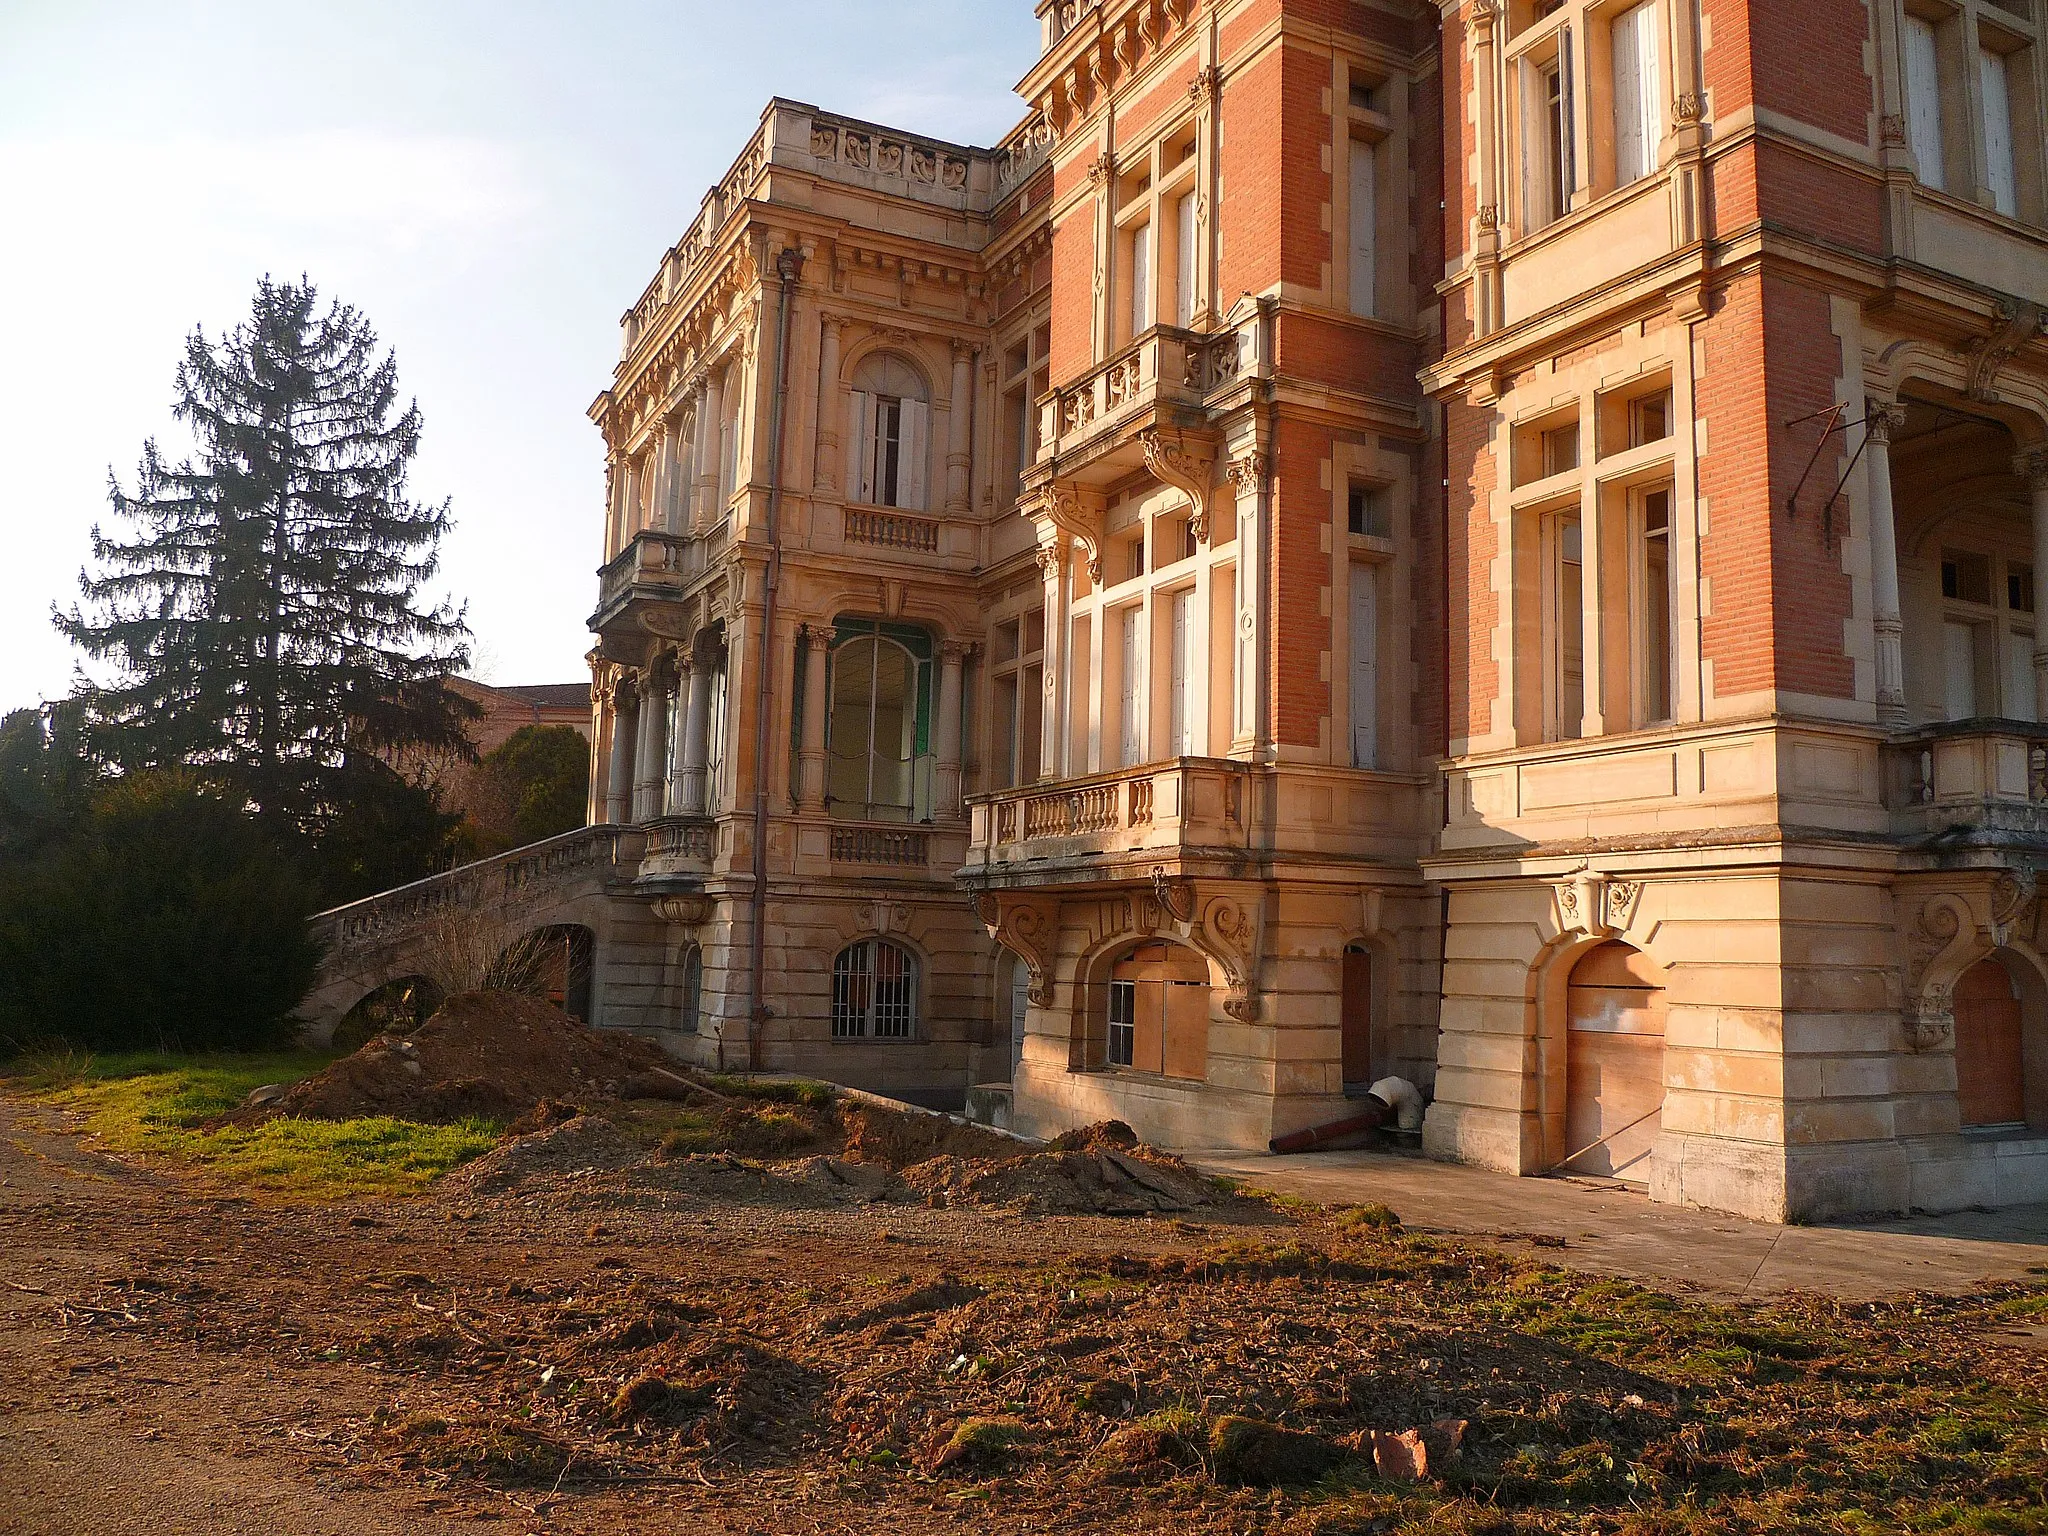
1497,544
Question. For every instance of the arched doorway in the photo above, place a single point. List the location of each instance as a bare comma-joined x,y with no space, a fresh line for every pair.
1614,1063
1356,1018
396,1008
1990,1062
1159,1012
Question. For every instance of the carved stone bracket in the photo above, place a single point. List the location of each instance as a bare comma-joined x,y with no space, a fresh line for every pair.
2019,322
1221,926
1188,468
1028,929
1947,930
1063,508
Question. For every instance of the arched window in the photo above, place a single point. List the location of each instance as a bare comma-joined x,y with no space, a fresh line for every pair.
690,1004
878,729
890,434
874,992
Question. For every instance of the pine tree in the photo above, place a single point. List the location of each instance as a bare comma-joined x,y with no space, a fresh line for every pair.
264,621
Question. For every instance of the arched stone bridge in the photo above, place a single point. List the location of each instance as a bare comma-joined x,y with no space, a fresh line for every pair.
580,880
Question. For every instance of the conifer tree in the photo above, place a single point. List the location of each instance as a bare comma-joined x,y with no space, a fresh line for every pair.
263,617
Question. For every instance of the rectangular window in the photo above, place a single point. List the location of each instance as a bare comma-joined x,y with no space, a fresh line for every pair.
1364,227
1561,449
1365,666
1141,279
1965,577
1548,151
1180,726
1370,511
1638,95
2019,588
1659,653
1184,280
1923,99
1123,1022
1649,419
2001,171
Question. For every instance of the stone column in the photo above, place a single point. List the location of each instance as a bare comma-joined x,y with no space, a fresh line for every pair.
647,765
660,477
619,792
1054,562
946,786
2032,467
811,758
1880,419
710,408
1480,21
826,476
959,423
672,781
696,738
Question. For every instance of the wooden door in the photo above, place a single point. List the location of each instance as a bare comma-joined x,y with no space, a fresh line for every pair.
1357,1017
1989,1087
1614,1064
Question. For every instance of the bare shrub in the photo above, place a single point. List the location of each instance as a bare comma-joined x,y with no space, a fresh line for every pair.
465,949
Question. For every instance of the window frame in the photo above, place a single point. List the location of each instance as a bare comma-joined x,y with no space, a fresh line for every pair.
858,1003
920,766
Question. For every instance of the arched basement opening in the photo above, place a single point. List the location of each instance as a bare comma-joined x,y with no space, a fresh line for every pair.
1159,1012
1614,1063
397,1007
554,963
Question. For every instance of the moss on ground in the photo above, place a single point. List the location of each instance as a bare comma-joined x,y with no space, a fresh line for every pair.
165,1106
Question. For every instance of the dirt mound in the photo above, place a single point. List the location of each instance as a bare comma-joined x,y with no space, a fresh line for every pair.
1102,1182
486,1055
877,1135
574,1146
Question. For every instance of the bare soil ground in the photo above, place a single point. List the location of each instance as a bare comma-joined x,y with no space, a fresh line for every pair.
574,1335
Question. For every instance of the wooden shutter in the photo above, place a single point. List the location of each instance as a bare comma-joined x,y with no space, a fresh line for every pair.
1995,96
1364,226
1568,155
1184,311
1923,100
1365,666
860,413
910,471
1133,691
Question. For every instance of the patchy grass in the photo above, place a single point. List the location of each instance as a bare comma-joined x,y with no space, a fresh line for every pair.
162,1105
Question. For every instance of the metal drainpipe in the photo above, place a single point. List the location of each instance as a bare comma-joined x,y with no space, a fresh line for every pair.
788,267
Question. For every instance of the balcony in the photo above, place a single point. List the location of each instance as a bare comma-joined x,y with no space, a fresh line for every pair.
1188,804
679,846
654,566
1165,367
1990,776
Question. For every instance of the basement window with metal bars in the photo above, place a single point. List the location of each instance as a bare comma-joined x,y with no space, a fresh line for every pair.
874,992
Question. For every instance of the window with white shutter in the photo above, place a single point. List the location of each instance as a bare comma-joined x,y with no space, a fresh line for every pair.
1364,226
2001,172
1923,100
889,430
1638,95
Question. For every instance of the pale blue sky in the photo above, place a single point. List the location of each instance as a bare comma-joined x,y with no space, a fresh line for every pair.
491,183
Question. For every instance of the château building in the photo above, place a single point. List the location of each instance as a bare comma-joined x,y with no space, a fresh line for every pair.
1491,543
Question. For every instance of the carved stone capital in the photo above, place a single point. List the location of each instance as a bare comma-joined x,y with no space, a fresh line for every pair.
1881,418
2032,467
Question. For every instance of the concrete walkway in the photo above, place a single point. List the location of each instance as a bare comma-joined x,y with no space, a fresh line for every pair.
1608,1229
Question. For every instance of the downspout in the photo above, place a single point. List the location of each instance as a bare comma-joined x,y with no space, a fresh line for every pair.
788,267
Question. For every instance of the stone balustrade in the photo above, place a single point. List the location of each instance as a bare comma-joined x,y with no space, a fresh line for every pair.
1183,803
1991,775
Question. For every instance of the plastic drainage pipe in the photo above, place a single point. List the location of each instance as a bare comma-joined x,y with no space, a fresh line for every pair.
1370,1118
